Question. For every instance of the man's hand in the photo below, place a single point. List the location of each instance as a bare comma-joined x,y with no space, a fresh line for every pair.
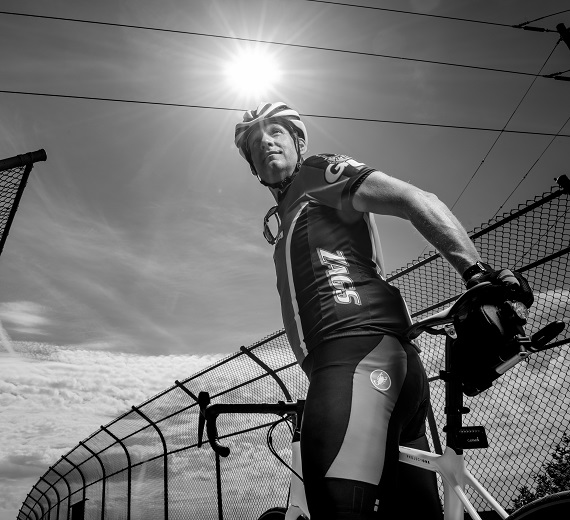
515,283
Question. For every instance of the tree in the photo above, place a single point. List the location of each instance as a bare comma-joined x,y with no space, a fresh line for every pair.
553,477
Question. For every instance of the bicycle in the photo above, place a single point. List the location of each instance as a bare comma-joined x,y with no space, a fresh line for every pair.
451,464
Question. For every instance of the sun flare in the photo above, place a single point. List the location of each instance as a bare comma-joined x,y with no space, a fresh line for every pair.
253,73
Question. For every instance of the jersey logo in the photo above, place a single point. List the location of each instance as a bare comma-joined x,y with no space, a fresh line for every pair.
337,273
380,380
337,164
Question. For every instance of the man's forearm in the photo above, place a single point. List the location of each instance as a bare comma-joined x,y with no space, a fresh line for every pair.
440,227
385,195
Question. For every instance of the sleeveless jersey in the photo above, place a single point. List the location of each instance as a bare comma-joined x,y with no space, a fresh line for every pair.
328,259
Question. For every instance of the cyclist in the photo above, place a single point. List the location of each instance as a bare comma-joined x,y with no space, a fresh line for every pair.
368,391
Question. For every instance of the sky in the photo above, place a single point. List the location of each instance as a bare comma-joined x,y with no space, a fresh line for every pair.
136,256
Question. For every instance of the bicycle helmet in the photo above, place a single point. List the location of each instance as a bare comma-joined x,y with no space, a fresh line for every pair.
277,112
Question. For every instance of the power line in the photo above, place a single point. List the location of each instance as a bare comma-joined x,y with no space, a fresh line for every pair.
321,116
542,18
533,165
504,127
282,44
523,25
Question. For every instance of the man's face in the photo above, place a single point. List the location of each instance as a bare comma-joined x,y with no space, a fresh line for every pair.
272,151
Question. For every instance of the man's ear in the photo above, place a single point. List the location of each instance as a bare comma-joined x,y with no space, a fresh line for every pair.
302,146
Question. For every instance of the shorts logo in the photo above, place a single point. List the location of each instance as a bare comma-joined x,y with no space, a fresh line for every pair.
380,380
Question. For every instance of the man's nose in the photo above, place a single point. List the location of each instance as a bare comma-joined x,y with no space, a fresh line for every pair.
266,140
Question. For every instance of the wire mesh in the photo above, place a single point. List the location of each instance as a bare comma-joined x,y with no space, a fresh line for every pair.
10,182
120,468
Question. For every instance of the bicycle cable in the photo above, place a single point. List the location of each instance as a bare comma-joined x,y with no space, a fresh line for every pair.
272,447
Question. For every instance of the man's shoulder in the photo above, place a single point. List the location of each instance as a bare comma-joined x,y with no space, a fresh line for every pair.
329,168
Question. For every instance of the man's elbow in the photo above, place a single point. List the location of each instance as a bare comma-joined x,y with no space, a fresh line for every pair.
421,202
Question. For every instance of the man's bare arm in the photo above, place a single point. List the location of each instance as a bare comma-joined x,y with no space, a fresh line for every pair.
385,195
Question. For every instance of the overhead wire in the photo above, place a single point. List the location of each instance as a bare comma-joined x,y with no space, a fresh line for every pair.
523,25
533,165
339,118
543,17
504,128
282,44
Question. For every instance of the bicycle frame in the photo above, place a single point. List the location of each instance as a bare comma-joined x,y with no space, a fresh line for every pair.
451,464
455,476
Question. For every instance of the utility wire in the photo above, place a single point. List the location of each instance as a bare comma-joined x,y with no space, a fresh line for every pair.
339,118
533,165
523,25
282,44
504,127
542,18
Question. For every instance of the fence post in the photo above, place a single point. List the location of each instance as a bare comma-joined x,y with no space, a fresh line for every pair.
104,477
45,495
218,468
64,457
165,456
27,161
68,490
31,510
56,494
111,434
37,501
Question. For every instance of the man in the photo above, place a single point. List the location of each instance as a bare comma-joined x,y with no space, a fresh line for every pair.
368,390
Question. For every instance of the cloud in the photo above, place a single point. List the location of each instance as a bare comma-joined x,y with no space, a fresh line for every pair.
24,316
52,397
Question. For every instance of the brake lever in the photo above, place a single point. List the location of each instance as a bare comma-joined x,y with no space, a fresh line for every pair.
203,402
541,339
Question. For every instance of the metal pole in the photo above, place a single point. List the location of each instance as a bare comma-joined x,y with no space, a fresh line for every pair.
31,510
64,457
219,487
104,477
68,490
26,159
37,500
564,34
44,494
165,452
128,469
56,494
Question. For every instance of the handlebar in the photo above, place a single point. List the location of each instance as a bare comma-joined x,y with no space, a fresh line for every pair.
209,414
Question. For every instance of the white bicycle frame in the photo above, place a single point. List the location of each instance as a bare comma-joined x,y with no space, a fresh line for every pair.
450,466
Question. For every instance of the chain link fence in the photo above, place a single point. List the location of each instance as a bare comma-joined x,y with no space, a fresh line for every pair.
146,463
14,173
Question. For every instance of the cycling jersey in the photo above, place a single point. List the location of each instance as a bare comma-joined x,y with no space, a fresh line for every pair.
328,259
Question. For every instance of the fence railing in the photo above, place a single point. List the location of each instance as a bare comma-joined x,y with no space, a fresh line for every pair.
14,173
146,465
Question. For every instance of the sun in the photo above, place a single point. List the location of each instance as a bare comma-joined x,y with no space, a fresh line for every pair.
253,73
